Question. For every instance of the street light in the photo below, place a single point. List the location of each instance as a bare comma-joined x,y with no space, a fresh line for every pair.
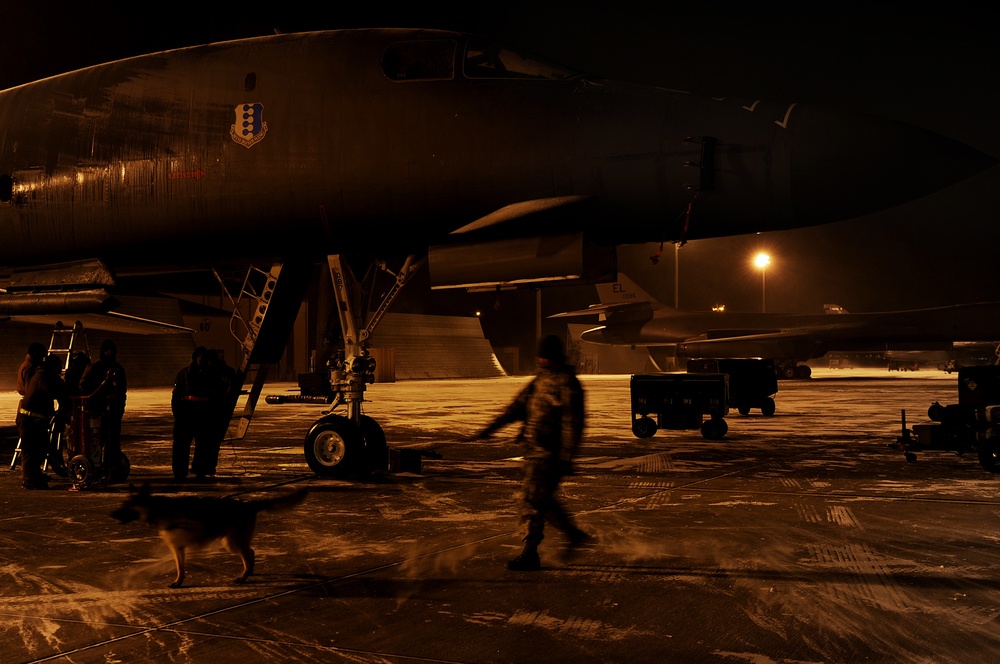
761,261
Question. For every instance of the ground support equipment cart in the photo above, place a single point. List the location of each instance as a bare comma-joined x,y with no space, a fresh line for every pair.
971,424
680,401
752,382
85,448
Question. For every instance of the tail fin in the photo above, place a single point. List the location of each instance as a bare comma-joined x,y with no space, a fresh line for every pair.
623,291
281,502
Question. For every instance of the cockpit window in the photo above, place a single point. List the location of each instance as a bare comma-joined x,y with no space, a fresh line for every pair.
420,60
486,59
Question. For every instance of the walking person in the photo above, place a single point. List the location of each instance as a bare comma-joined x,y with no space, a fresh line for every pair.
552,409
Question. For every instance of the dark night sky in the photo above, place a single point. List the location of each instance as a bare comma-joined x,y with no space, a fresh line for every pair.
921,66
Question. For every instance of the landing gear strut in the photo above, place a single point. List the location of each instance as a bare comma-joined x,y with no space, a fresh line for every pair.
352,444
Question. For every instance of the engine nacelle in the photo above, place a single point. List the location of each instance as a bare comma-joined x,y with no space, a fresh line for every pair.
520,262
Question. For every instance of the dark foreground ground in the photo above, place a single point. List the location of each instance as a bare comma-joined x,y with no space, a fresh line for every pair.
802,537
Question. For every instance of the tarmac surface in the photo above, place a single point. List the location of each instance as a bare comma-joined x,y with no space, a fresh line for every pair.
802,537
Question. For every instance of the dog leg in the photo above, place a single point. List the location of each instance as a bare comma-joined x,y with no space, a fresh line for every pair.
248,557
179,562
239,543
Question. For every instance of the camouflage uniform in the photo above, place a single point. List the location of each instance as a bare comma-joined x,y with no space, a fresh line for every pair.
552,409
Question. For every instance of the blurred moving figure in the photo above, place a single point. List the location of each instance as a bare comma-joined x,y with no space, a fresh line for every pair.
552,409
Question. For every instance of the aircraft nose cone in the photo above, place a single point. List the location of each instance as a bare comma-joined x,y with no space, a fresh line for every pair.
851,165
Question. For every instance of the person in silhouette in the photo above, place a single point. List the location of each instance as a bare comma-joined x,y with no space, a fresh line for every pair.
105,388
45,390
552,409
193,402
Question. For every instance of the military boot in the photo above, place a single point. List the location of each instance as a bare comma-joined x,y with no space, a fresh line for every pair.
527,561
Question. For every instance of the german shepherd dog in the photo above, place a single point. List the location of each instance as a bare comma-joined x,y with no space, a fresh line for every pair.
194,521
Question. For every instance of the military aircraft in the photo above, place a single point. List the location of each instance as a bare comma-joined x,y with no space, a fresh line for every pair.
632,317
385,149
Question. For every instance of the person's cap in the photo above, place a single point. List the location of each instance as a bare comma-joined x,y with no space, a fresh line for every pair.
551,348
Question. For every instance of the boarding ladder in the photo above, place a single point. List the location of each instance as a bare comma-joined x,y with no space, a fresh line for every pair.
264,312
67,341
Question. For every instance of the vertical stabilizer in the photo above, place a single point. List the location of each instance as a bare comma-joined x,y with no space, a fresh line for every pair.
623,291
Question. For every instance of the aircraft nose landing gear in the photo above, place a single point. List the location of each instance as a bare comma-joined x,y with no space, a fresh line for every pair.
352,444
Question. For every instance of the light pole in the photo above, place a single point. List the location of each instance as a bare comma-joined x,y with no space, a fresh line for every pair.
677,275
762,261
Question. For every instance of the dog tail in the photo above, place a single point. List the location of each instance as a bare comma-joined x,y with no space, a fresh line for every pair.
281,502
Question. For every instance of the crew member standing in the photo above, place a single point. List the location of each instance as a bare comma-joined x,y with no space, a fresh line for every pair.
44,390
32,361
193,403
224,378
552,409
105,388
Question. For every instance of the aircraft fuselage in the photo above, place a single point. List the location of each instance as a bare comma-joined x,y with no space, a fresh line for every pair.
390,140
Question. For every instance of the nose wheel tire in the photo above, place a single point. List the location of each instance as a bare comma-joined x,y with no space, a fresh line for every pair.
376,448
334,447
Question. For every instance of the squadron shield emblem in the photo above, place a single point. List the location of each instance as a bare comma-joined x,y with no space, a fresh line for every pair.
249,128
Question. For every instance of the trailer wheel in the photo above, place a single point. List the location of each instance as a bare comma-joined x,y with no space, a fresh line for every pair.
334,447
80,471
644,427
714,429
936,412
767,407
989,456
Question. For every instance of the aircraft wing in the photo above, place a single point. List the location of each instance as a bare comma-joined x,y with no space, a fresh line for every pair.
631,312
111,322
772,344
801,342
516,212
63,293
